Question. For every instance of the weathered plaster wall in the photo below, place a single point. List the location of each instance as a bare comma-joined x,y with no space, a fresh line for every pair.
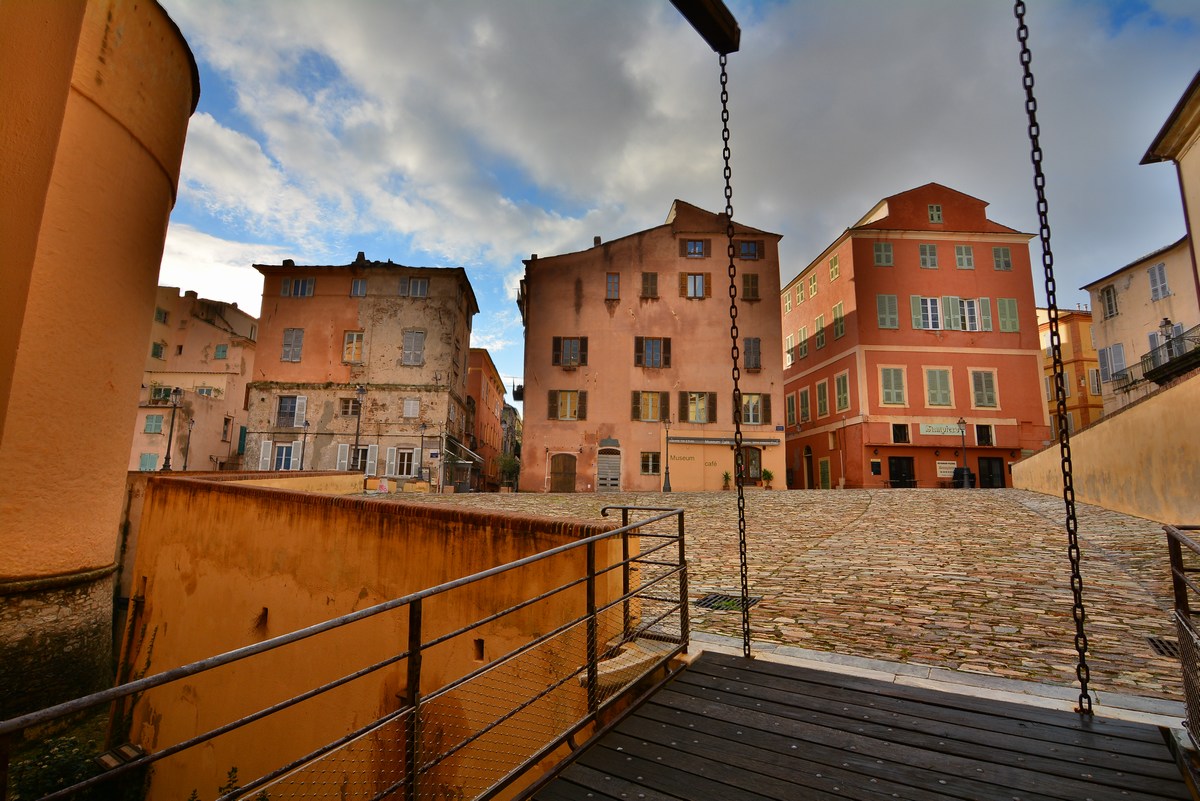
1144,460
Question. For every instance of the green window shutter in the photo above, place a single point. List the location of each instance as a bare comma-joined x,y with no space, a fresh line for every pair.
951,313
1008,314
915,302
985,314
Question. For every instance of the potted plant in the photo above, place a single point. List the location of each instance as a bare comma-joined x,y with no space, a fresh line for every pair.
767,475
726,479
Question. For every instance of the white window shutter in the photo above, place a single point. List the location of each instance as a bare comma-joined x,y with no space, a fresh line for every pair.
297,455
264,460
390,466
343,457
301,409
372,459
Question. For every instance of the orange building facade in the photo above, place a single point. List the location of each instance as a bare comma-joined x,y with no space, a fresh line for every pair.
206,349
485,394
627,370
1081,369
918,316
399,333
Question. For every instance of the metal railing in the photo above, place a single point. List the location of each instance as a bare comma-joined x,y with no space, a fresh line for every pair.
1174,348
1185,565
1125,380
585,641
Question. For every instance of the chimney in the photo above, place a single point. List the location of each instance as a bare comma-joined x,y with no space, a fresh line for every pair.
191,294
362,257
289,263
595,241
533,257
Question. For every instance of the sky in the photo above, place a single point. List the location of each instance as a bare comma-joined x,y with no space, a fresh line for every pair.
473,133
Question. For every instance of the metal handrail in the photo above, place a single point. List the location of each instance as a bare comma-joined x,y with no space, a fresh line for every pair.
1184,552
414,601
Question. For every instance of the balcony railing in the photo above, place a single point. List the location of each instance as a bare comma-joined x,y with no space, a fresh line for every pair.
619,616
1175,356
1125,380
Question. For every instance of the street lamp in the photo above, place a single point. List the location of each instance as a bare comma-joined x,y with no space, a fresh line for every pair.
667,469
421,467
304,445
962,429
361,392
187,446
176,394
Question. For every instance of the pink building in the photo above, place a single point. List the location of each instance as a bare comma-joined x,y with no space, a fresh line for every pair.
911,348
485,400
627,368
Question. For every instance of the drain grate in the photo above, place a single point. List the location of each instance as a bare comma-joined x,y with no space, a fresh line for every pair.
1164,647
725,603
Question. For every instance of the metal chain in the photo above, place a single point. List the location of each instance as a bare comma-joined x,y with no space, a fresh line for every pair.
735,354
1060,392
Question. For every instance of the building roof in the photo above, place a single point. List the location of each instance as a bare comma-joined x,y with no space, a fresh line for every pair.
874,220
1180,127
1136,262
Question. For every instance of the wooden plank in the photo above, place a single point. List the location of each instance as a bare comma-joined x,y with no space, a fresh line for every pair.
581,782
967,736
694,782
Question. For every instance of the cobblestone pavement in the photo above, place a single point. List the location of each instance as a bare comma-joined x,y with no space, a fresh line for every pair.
977,581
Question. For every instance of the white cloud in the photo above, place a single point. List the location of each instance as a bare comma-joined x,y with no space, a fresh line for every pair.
216,268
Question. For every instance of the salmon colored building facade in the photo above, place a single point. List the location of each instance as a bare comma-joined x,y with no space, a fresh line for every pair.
1081,369
485,393
919,315
205,348
627,369
401,334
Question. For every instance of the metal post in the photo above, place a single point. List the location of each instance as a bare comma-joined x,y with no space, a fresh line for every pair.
187,446
593,656
966,473
361,393
304,445
176,393
413,700
421,467
684,616
667,474
626,619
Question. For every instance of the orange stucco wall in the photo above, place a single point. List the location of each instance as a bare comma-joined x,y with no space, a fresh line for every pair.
269,561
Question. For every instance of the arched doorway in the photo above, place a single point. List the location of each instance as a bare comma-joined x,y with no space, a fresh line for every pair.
808,467
562,472
608,470
752,462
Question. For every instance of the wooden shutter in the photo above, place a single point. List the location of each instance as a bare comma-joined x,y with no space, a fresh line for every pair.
556,350
760,249
707,276
985,314
915,300
635,406
390,462
552,405
683,279
297,455
583,350
403,292
264,459
707,248
372,459
712,407
638,352
343,456
286,289
766,409
683,247
583,404
683,408
666,352
664,405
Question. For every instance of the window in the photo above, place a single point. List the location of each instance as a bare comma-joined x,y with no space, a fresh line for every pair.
819,329
1002,258
298,287
568,404
752,353
569,351
883,254
612,286
221,352
983,388
160,315
756,409
358,287
841,391
839,321
650,407
1112,361
750,250
929,257
148,462
787,301
1007,310
926,313
824,477
695,285
360,457
412,407
293,343
651,463
1094,380
835,268
352,347
935,213
649,285
983,435
154,424
414,287
800,293
789,350
790,409
401,462
349,407
812,286
900,434
698,407
937,387
805,408
964,257
414,348
651,351
887,310
822,398
802,347
750,286
158,350
1158,281
1108,301
179,350
695,248
290,411
226,429
891,381
205,392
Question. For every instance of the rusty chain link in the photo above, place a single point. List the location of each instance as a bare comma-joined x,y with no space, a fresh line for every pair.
1064,440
